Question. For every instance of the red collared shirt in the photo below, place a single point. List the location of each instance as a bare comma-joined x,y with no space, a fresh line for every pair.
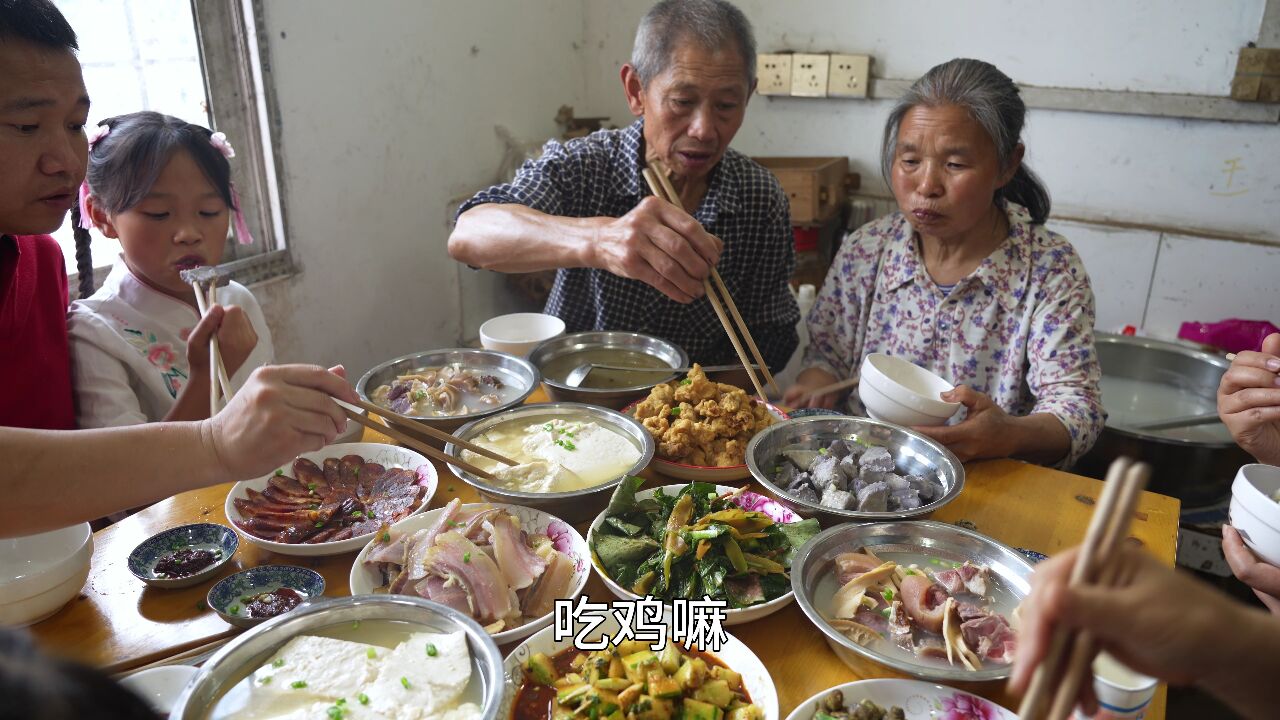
35,364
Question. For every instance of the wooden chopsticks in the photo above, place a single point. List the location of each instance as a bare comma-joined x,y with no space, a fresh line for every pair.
418,445
825,389
219,383
412,424
660,185
1069,658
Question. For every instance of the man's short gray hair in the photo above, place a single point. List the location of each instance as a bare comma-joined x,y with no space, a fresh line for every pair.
713,24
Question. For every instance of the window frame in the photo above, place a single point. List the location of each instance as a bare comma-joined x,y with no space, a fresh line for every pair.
236,68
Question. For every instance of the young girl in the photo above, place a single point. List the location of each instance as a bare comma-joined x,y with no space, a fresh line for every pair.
162,187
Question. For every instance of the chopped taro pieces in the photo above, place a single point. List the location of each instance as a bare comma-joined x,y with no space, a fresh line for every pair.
848,475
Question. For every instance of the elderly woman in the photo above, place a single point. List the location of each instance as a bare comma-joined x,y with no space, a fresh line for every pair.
965,280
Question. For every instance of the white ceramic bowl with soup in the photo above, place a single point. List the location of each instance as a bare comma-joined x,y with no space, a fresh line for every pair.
41,573
900,392
519,333
1255,509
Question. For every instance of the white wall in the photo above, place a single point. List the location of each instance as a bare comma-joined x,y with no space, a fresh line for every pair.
1101,168
388,111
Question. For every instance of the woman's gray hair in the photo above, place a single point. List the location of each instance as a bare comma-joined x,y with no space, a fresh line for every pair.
990,98
713,24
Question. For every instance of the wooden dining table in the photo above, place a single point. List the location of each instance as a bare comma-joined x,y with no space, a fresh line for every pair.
119,624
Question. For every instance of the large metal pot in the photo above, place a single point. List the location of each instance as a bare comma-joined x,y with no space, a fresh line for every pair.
1197,466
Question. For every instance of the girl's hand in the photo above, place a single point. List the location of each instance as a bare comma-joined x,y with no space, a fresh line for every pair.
198,342
796,396
1249,401
283,410
984,433
236,338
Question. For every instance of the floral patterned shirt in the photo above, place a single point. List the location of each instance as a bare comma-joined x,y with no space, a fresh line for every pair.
129,352
1019,328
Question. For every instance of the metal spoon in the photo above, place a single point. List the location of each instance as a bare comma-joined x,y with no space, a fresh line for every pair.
579,374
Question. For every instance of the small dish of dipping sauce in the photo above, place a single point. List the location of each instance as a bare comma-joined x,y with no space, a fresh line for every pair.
258,594
183,556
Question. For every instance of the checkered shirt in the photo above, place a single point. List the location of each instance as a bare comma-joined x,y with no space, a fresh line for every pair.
599,176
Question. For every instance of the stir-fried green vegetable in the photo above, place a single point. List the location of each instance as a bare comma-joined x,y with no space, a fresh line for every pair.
696,544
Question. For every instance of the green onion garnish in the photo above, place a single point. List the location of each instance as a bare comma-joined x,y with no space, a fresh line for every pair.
234,609
355,625
364,699
279,473
466,557
265,680
431,650
371,653
386,537
278,662
298,684
405,682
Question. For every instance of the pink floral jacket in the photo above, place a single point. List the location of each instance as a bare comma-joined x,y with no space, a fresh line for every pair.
1019,328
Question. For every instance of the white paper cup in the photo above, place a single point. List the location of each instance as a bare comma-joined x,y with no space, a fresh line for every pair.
519,333
1122,693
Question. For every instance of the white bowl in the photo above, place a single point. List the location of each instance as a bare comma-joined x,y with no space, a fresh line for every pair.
365,579
160,686
1254,510
919,700
41,573
519,333
381,453
733,653
896,391
733,616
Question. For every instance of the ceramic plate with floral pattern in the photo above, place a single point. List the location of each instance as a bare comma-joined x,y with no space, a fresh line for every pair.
366,579
919,700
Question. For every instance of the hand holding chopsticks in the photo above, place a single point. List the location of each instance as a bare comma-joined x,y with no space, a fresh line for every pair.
1068,660
656,177
412,424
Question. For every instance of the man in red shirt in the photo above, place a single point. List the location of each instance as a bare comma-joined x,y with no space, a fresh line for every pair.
43,109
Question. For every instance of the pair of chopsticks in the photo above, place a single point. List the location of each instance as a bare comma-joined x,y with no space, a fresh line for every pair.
425,449
1069,659
660,185
219,383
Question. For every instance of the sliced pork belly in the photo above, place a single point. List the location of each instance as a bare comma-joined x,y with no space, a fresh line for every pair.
554,583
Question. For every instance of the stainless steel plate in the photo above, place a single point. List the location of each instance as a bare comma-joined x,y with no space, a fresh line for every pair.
813,579
914,454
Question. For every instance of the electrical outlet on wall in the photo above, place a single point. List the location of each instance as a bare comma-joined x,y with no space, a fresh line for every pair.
809,75
849,76
773,74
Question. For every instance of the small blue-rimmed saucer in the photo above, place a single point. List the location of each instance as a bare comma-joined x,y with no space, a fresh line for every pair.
1032,555
229,596
219,539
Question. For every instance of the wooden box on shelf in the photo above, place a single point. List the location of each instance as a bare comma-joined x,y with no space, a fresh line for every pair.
814,185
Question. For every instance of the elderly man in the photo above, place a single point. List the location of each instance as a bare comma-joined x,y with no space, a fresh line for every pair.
626,260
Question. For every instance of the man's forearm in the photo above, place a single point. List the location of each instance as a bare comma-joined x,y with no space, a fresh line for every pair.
57,478
515,238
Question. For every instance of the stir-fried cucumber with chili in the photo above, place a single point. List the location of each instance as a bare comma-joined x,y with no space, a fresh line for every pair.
632,682
696,544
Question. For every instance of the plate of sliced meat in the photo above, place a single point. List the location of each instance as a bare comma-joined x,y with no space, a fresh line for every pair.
930,599
502,565
333,500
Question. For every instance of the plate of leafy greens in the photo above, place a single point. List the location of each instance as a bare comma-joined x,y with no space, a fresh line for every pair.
699,541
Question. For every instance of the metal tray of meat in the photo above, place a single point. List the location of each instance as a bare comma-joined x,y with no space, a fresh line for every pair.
912,454
932,546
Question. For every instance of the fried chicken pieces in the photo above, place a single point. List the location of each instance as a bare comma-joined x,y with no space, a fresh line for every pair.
699,422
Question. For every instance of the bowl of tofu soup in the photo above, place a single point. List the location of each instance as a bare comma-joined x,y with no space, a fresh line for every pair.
842,469
449,388
569,457
366,656
637,363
